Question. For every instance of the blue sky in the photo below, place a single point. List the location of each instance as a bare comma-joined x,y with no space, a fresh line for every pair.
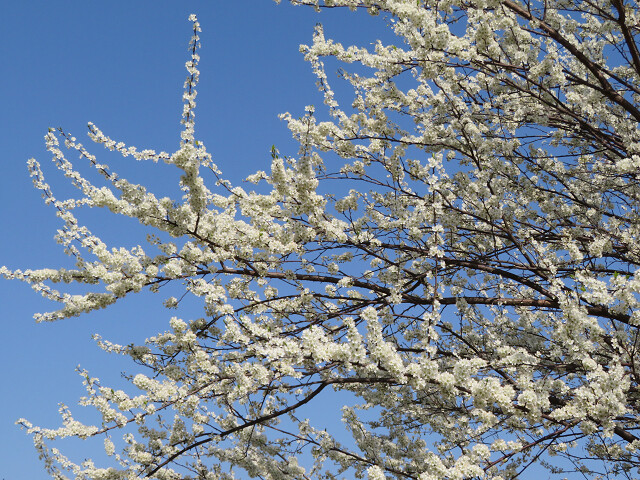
120,65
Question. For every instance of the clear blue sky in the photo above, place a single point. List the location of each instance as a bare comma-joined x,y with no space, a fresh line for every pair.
120,64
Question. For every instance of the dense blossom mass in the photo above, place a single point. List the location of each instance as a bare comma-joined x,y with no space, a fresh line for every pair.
453,253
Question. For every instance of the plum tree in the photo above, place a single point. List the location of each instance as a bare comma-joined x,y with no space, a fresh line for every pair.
456,247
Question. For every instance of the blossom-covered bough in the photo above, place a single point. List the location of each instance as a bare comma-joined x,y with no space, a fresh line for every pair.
456,248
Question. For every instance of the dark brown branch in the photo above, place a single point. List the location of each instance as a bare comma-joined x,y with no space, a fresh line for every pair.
593,67
240,427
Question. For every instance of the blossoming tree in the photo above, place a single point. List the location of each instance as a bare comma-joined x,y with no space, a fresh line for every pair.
456,248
